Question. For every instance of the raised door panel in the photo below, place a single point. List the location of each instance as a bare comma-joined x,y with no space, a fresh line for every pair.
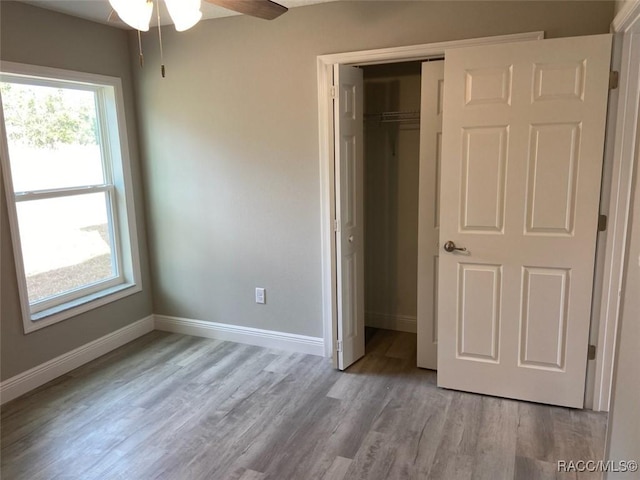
349,187
488,86
350,300
543,324
348,106
559,81
436,201
552,172
478,324
483,179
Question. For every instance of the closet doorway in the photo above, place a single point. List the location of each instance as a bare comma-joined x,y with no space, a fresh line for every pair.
388,124
341,123
400,198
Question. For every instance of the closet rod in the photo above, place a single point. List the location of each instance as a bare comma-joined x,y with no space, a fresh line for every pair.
388,117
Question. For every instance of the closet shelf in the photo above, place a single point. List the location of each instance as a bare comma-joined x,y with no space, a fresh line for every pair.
393,117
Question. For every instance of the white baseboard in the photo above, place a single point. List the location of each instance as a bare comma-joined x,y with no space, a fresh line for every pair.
234,333
33,378
37,376
400,323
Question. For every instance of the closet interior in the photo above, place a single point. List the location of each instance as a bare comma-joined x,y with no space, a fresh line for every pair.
391,174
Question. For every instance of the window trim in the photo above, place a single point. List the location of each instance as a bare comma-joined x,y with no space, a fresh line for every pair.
115,146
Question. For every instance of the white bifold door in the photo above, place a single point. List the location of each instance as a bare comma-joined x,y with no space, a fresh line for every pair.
523,136
431,107
348,154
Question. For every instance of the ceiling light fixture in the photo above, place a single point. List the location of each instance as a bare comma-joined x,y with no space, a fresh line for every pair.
137,13
185,14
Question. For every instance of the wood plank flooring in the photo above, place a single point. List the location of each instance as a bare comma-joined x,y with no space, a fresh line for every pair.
170,406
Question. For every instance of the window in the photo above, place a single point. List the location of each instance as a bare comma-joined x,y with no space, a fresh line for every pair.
65,163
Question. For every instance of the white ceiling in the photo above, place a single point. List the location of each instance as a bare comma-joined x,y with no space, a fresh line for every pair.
99,10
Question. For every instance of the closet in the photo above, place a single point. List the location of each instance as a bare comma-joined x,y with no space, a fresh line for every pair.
391,188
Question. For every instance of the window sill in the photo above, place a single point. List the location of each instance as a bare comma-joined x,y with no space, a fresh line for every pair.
80,305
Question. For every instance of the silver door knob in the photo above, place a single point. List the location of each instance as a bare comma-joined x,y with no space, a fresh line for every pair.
451,247
350,238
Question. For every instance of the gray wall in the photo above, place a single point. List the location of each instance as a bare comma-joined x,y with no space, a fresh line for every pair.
391,167
624,417
40,37
230,144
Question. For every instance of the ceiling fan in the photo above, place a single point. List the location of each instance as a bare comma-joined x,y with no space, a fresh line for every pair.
185,14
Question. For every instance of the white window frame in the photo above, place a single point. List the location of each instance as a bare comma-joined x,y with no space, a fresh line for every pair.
115,152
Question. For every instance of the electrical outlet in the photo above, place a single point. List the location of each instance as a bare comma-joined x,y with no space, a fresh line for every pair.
260,295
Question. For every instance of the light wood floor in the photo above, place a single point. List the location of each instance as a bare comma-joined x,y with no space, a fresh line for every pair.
170,406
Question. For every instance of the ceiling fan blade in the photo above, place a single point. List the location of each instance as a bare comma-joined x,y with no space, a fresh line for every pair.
256,8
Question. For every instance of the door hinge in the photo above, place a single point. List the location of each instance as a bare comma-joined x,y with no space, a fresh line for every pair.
333,91
336,226
602,223
614,78
339,346
592,352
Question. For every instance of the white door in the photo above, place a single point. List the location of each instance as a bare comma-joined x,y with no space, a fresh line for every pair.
523,143
431,100
349,168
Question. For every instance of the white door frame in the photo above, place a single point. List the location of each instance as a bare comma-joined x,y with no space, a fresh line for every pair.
326,136
623,144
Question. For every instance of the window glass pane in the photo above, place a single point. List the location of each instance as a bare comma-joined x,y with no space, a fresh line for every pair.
52,135
66,243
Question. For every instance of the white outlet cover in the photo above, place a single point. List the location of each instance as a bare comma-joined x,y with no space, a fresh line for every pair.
260,295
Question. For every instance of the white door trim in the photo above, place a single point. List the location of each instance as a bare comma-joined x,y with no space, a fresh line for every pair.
325,130
627,25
